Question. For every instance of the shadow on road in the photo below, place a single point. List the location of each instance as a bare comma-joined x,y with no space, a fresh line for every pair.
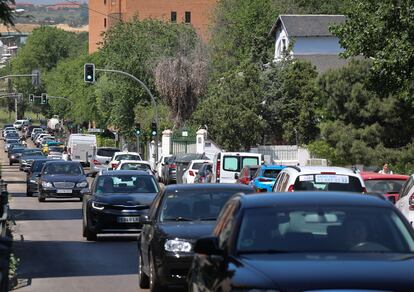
49,214
50,259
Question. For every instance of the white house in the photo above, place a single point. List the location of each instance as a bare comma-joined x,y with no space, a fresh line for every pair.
308,37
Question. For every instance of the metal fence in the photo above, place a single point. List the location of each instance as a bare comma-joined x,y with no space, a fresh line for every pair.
282,152
183,147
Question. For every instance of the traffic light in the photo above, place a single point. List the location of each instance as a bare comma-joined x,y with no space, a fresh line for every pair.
31,98
154,129
137,129
44,98
89,73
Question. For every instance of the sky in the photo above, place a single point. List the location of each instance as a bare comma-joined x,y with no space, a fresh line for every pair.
43,1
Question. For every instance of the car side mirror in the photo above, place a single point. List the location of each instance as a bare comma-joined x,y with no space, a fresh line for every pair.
236,176
38,175
208,246
144,219
91,174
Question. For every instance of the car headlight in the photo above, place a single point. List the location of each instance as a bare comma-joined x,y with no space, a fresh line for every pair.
83,184
33,181
47,184
177,245
13,157
98,206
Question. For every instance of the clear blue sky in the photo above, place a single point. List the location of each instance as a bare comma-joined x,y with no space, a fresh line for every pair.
43,1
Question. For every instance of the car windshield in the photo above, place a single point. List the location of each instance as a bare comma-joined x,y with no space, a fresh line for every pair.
30,152
17,150
127,157
271,173
55,149
135,166
121,184
328,182
384,186
192,205
12,141
63,168
323,229
38,165
196,166
106,152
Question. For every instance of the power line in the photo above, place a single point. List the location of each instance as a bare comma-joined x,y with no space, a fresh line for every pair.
90,9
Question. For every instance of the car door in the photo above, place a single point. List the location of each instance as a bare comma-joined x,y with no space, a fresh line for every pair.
403,203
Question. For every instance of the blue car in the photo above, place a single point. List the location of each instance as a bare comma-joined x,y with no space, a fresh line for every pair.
265,177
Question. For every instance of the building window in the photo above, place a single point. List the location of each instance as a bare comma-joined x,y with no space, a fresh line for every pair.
187,17
105,22
173,16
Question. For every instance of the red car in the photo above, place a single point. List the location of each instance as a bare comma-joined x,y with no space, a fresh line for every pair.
387,184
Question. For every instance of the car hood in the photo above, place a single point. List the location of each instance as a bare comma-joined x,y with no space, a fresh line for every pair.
187,229
63,178
126,199
299,272
22,157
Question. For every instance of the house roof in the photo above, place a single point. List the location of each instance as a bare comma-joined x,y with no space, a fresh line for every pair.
310,25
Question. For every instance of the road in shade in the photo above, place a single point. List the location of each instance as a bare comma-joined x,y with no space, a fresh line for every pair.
53,254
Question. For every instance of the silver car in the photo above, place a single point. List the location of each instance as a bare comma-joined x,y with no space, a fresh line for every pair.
101,158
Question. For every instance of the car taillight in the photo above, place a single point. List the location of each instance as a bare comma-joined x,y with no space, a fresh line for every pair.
172,166
411,202
96,162
191,173
291,188
218,170
263,179
114,165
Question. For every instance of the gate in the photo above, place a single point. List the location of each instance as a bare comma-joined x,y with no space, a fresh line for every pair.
183,141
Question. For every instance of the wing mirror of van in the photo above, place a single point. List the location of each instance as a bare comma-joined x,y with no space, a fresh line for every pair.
236,176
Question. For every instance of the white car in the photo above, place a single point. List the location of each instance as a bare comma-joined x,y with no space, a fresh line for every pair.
20,123
158,167
192,170
135,165
315,178
119,156
41,137
405,202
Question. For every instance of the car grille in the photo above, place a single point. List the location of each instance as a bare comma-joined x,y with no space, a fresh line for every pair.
64,185
127,208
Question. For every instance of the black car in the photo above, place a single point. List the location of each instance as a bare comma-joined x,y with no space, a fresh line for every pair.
116,201
306,241
28,156
62,179
32,176
9,142
180,215
14,153
204,174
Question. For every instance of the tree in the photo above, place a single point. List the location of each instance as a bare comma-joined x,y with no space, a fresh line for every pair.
322,6
6,13
181,80
383,32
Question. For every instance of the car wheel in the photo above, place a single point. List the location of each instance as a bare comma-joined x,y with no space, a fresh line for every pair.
10,163
143,279
154,284
29,194
90,236
41,198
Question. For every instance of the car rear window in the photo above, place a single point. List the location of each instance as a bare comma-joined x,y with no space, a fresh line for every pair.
236,163
106,152
384,186
135,166
127,157
197,165
272,173
328,182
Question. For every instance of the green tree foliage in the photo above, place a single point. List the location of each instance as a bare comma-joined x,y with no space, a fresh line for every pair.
322,6
135,47
382,31
6,14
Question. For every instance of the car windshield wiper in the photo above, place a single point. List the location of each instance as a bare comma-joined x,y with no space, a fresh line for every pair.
179,218
207,219
272,251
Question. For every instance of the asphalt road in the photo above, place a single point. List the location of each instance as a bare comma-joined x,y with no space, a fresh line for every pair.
53,254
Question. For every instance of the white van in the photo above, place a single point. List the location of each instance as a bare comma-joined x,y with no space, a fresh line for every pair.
81,147
227,165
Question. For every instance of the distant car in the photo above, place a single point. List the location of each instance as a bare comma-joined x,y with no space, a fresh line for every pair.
39,138
20,123
8,130
405,202
27,158
119,156
246,174
265,177
179,215
159,165
387,184
9,142
169,170
35,131
318,178
135,165
15,153
101,158
32,176
204,173
11,135
116,201
319,241
192,170
62,179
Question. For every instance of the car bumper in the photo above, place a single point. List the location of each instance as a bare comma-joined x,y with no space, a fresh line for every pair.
32,187
54,193
108,221
95,168
172,269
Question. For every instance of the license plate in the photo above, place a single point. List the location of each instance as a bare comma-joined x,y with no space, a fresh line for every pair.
64,191
128,219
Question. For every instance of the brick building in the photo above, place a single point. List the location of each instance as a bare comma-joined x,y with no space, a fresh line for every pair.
104,13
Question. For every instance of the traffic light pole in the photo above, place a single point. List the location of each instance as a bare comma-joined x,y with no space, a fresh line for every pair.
154,103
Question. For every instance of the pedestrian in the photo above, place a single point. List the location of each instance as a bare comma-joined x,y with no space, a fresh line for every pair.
65,155
385,169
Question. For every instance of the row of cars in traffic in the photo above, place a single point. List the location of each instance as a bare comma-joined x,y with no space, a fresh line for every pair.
321,230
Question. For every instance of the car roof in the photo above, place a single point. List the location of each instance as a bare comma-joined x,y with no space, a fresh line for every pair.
196,187
319,169
135,162
62,161
380,176
126,152
123,172
277,167
200,160
314,199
